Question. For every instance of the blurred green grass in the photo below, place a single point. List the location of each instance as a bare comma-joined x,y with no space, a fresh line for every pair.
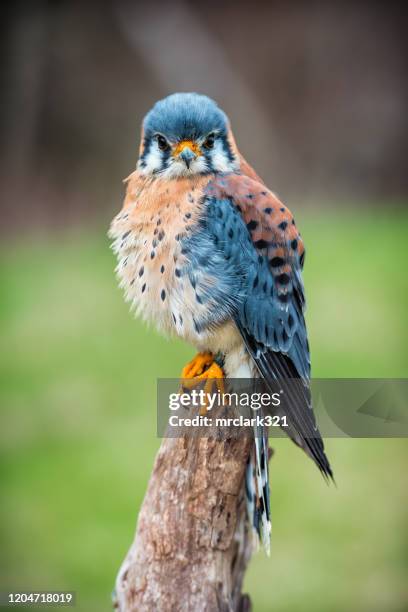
78,384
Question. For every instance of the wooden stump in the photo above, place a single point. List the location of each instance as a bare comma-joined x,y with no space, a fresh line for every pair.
192,542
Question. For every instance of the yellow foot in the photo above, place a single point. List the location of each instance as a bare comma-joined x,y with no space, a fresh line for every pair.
197,365
203,367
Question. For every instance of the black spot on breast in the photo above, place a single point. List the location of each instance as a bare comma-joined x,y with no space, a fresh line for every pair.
283,225
152,254
162,269
283,279
174,318
154,243
141,271
161,235
177,272
158,222
163,295
188,215
155,232
184,251
252,225
261,244
181,319
144,288
263,193
282,209
268,210
294,244
276,262
126,234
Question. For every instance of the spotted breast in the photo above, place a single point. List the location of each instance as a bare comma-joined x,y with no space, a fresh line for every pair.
169,271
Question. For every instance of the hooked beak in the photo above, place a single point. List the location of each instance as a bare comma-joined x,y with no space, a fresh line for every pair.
187,151
188,156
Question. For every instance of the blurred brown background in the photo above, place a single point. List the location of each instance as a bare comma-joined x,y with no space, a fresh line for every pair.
316,93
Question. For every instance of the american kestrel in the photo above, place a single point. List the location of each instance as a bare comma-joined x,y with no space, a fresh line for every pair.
208,253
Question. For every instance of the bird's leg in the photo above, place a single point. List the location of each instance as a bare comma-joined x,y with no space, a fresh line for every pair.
196,366
204,366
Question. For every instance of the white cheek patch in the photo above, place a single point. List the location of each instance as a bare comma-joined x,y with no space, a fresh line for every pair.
153,161
220,160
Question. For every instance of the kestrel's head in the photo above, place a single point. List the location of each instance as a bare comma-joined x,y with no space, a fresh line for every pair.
186,134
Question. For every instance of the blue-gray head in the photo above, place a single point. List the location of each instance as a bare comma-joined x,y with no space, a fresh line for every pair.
186,134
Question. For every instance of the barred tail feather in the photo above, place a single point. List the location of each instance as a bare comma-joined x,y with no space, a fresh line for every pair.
257,489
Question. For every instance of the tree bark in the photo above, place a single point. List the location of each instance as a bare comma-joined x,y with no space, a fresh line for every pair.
192,542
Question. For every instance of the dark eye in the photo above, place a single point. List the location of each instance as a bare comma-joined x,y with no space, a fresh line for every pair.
209,142
162,143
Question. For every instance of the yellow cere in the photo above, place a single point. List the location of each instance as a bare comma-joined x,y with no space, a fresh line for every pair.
179,148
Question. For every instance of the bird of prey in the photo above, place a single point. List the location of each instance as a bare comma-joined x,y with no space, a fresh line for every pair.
207,252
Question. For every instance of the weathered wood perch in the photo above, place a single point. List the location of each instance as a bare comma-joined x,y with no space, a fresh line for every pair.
192,542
